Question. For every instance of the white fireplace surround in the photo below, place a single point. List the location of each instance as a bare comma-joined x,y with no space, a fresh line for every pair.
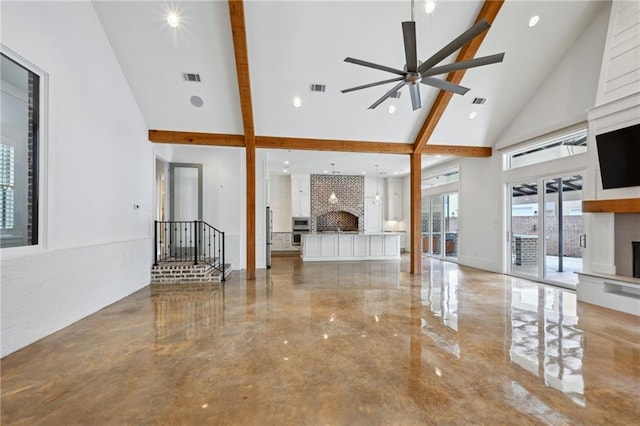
617,106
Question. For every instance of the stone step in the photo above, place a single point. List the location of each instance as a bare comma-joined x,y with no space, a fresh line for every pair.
187,272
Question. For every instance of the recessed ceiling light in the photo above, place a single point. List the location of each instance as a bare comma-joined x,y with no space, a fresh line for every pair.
325,172
285,171
364,173
286,163
392,109
429,6
173,19
473,115
533,21
297,101
438,156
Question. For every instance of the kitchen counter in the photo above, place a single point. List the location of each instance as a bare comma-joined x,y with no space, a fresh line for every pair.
324,246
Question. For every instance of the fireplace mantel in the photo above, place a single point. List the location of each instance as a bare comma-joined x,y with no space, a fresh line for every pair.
618,205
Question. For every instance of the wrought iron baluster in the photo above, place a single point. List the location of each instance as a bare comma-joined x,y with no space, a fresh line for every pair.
223,278
195,244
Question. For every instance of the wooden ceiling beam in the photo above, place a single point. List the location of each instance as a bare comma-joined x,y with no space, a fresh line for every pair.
458,150
239,33
488,12
194,138
272,142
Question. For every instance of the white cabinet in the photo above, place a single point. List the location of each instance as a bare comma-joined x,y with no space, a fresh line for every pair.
311,247
360,245
329,246
322,247
345,245
377,245
372,215
300,195
394,199
391,245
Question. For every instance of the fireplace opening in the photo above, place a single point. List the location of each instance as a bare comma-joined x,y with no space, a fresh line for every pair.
636,258
338,221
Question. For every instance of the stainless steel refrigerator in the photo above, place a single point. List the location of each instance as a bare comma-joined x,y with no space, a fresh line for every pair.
269,227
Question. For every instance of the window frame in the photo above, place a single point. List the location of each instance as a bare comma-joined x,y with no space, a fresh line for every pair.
39,162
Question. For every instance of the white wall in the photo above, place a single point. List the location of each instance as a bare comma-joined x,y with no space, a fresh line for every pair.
98,163
223,197
568,91
561,101
481,221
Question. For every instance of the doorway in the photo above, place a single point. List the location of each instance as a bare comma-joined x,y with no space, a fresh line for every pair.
440,225
546,229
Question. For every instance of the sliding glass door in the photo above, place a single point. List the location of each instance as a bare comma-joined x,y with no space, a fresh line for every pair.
440,225
546,229
563,228
524,241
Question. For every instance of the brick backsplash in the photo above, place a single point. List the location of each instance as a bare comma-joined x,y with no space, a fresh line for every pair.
348,189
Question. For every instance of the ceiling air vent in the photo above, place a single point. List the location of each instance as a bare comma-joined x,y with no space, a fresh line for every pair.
396,95
313,87
191,77
479,101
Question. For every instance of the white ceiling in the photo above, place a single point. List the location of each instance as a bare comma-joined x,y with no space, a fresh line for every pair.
294,43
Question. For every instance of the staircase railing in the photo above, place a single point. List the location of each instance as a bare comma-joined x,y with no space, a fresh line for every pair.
189,241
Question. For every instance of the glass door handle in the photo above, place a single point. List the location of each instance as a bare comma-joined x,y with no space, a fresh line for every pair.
583,240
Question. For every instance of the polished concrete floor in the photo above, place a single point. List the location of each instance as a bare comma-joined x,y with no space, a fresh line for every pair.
335,344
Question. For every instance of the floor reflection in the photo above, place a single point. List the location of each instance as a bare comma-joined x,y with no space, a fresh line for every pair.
335,343
545,339
187,311
440,295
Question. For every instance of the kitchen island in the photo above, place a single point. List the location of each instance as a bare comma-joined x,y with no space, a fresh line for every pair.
325,246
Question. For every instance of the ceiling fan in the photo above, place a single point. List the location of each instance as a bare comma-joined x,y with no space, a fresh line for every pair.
416,73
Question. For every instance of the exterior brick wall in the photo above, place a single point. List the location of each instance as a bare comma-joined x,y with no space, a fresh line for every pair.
573,228
348,189
525,249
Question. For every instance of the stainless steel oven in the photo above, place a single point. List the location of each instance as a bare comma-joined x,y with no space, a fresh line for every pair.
296,239
300,223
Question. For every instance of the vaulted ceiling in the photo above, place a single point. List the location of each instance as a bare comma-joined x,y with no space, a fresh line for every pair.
292,44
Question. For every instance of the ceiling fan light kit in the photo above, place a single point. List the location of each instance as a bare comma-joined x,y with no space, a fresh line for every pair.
416,73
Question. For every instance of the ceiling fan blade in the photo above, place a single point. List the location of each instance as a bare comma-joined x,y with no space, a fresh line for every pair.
377,83
414,91
477,62
374,66
409,35
456,44
444,85
387,95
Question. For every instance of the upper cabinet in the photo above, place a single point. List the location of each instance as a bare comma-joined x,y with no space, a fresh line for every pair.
394,199
300,195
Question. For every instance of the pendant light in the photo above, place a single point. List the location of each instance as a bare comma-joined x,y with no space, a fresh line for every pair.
377,200
333,199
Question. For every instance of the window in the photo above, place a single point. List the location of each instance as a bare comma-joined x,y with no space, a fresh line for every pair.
444,178
19,147
562,146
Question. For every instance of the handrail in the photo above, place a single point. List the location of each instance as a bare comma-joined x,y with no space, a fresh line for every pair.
189,241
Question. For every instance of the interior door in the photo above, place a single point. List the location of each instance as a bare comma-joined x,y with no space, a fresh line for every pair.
185,207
